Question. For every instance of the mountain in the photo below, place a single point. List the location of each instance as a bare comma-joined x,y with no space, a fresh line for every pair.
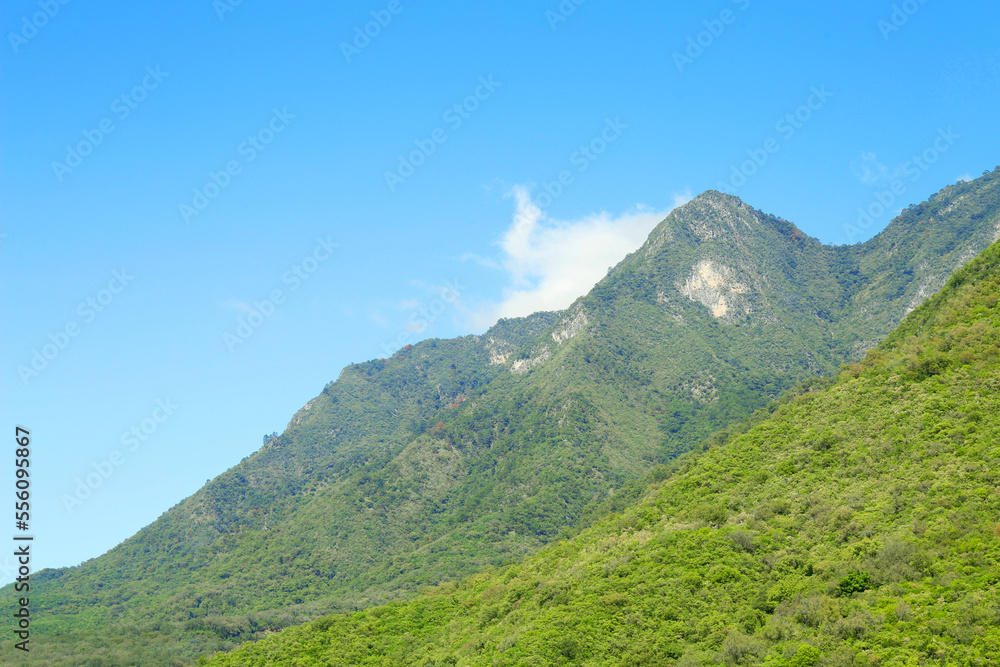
455,455
854,525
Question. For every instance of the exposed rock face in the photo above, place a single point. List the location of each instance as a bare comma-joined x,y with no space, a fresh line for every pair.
300,415
928,287
498,350
703,388
537,357
718,288
571,327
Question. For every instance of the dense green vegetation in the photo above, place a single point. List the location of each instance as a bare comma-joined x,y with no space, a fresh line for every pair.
856,525
457,455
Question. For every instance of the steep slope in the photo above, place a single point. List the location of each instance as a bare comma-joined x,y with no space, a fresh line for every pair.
855,525
915,254
454,455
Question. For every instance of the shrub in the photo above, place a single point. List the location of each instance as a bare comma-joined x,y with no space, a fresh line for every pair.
713,515
740,649
825,441
893,562
806,656
855,626
856,581
784,589
691,581
723,574
614,600
742,540
931,363
809,612
778,629
568,647
780,506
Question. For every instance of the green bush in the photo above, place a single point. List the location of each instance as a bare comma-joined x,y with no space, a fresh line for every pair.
713,515
856,581
806,656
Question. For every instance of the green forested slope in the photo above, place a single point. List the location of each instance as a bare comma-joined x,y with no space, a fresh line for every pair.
456,455
855,525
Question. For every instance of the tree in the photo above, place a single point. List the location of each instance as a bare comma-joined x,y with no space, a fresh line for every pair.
856,581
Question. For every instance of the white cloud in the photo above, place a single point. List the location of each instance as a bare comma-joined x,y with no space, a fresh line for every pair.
872,172
966,178
550,263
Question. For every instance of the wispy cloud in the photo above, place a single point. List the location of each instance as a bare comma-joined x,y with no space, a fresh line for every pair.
870,171
485,262
550,263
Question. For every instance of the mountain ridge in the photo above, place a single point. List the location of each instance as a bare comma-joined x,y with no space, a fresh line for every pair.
454,455
854,524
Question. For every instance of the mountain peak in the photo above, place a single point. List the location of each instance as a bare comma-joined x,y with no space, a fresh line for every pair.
456,454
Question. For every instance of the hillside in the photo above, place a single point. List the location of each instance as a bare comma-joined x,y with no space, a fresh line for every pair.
856,524
455,455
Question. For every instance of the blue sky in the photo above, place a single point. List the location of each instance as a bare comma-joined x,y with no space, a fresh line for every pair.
209,208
